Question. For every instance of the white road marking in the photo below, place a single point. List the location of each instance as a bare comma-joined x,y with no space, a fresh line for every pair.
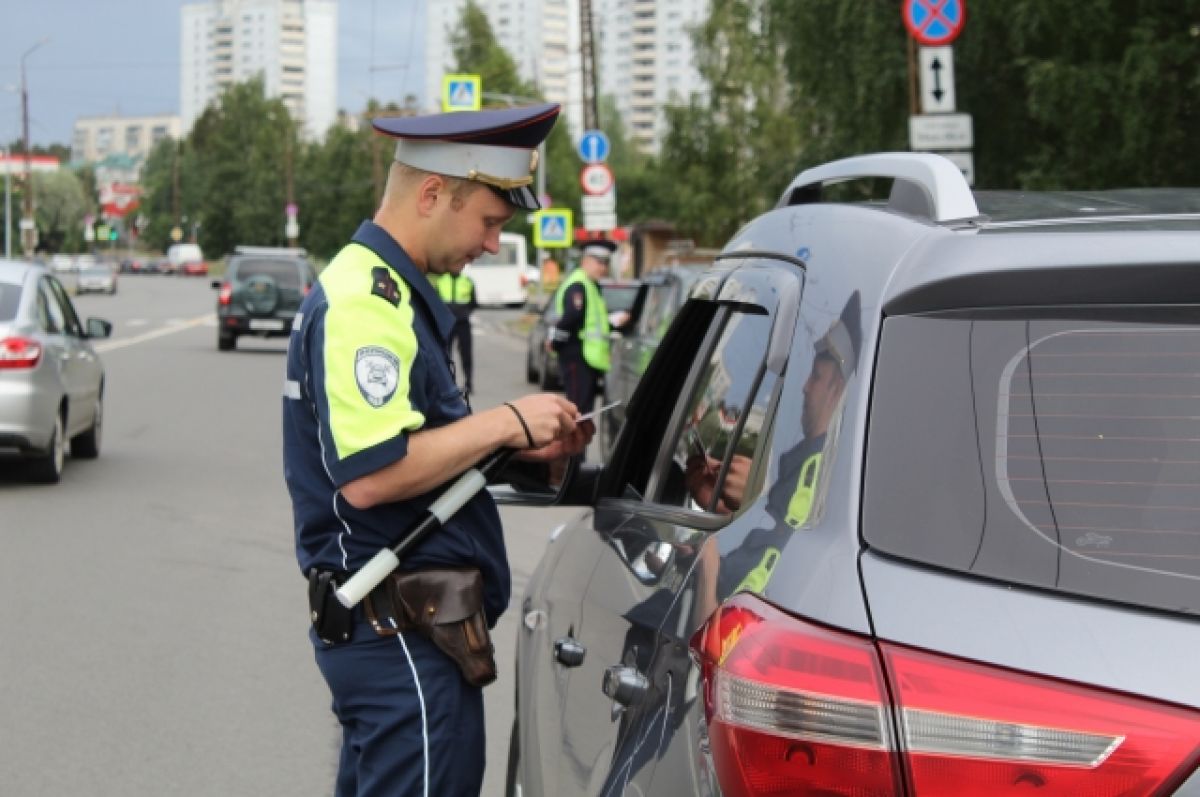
174,325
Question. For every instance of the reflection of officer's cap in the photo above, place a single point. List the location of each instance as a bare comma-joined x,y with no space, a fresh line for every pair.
601,250
495,147
842,341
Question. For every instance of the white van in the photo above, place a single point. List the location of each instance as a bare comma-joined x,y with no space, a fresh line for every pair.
502,278
179,254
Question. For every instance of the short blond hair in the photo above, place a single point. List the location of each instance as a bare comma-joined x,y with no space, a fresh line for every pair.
403,180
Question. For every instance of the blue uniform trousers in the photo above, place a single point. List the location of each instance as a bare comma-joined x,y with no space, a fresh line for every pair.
411,725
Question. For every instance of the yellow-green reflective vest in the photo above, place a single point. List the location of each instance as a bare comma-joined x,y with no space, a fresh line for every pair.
594,332
798,510
452,289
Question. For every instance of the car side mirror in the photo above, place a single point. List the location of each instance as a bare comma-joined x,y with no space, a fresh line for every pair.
98,328
573,483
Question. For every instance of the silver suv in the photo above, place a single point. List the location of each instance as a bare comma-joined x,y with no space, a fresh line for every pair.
905,504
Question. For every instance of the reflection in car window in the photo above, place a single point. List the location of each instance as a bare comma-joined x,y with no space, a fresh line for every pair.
714,449
286,273
1068,456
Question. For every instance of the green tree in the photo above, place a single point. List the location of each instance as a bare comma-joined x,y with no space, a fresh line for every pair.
61,205
338,183
237,158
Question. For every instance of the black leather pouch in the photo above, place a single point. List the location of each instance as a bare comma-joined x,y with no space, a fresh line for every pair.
332,621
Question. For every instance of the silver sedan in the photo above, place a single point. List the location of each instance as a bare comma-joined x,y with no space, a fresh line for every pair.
51,379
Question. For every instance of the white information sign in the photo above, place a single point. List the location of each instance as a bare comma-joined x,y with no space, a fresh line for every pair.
937,131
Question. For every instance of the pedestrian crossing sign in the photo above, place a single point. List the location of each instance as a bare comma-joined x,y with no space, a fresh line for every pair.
553,228
462,93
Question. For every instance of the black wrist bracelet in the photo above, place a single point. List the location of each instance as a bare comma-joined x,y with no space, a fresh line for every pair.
525,426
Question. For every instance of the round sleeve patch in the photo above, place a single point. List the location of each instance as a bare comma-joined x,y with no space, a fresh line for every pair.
377,372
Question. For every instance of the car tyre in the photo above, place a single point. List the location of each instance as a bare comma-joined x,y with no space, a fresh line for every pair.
86,445
512,780
547,380
226,341
48,467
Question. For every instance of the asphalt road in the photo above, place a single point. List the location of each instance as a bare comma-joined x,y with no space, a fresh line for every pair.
154,617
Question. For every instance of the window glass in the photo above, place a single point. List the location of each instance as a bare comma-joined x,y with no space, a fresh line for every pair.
712,454
286,273
71,323
10,300
49,312
1060,453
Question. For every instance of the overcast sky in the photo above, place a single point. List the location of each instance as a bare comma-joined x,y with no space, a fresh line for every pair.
122,56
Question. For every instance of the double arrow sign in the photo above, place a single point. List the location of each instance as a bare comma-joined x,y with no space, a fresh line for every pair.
937,80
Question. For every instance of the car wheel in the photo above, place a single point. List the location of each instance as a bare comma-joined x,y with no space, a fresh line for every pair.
548,379
512,781
531,371
48,467
226,341
86,445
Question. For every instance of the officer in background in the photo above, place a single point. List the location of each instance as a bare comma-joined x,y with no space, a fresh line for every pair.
458,292
581,336
375,429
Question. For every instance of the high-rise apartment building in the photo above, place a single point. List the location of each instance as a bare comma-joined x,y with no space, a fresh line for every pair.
643,53
645,60
541,36
291,44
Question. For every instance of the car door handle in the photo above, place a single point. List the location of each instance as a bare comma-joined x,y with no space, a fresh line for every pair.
569,652
625,685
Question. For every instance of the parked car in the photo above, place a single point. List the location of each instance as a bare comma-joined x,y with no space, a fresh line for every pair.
904,504
98,278
51,379
541,365
260,292
663,292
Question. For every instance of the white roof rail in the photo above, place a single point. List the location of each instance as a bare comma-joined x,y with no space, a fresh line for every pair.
942,193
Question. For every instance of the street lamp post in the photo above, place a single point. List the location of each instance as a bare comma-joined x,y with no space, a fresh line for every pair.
28,228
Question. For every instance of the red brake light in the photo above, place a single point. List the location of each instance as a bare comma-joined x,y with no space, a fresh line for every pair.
19,352
973,729
795,708
226,294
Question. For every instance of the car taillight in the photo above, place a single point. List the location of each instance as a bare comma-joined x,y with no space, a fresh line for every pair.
796,708
19,352
226,294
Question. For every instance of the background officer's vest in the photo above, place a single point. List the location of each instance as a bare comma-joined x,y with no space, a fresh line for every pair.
594,332
452,289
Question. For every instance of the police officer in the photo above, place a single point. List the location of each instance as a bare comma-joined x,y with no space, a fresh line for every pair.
581,335
458,292
375,428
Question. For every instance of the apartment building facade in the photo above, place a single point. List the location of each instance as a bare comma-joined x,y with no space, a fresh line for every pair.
98,137
291,44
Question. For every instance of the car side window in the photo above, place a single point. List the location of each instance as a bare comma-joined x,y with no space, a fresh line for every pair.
711,458
50,314
70,321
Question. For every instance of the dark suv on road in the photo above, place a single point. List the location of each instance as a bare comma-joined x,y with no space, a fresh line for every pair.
260,293
906,503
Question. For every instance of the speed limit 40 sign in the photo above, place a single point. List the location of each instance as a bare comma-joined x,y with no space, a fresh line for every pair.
596,179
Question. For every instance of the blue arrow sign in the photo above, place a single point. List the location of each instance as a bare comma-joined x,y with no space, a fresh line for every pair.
593,146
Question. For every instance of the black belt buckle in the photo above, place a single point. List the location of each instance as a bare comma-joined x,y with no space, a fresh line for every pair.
332,621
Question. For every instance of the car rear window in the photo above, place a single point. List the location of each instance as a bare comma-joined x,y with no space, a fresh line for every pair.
286,273
1056,450
10,299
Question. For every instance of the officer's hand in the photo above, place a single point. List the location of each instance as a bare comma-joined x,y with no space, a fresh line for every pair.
549,416
574,443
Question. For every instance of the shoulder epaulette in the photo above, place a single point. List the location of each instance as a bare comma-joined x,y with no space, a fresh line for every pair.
383,286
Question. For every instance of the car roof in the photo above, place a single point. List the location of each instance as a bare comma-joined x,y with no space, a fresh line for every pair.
937,245
16,271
